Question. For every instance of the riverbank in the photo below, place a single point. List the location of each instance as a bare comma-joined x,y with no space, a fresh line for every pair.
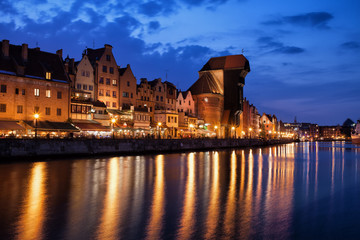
40,148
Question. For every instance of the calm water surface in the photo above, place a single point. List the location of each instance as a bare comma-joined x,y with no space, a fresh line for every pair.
293,191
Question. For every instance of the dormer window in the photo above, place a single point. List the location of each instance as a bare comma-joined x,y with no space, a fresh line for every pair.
48,75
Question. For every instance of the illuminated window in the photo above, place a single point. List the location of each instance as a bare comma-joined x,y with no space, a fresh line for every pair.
114,82
48,75
37,92
48,93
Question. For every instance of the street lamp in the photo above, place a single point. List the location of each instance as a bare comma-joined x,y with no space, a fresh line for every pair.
159,124
233,131
191,129
113,120
36,116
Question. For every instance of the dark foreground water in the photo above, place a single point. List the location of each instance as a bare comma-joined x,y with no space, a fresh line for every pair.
294,191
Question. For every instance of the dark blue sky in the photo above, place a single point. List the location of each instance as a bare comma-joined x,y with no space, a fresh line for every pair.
304,54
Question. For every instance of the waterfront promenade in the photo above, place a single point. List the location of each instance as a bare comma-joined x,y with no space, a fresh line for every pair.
34,148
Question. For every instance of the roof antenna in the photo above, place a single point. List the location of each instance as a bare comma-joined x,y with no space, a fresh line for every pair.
242,51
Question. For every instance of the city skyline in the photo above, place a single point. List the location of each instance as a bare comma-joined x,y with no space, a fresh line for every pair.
303,57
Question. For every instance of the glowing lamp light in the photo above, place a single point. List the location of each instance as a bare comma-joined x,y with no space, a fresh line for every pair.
159,124
36,115
233,128
216,127
113,120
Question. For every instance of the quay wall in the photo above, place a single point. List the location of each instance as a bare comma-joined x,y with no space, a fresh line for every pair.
34,148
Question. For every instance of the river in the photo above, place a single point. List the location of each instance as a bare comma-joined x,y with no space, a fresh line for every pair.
305,190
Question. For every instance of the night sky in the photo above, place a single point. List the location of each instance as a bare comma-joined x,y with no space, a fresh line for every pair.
304,54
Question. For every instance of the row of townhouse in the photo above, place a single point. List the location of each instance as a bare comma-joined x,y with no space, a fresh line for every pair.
43,92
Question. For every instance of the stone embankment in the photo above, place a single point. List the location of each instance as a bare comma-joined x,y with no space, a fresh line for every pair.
35,148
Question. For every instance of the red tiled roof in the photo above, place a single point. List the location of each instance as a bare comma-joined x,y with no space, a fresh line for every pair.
227,62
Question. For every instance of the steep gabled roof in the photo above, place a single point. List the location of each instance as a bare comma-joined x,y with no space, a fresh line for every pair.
227,62
37,64
94,54
206,84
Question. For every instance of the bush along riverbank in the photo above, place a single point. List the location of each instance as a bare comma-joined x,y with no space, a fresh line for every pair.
34,148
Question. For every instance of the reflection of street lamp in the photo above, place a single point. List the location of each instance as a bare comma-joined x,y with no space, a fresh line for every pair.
113,120
159,124
36,116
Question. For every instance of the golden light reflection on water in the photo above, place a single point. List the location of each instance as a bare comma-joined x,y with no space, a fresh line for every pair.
30,224
187,222
157,211
108,228
213,212
229,223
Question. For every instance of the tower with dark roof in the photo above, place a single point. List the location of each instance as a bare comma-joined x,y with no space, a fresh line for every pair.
218,93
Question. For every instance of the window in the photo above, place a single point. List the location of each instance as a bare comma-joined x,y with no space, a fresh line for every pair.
16,91
58,112
78,86
19,109
111,70
175,119
59,95
47,111
159,89
189,103
36,109
107,104
114,94
85,87
157,98
108,81
104,68
3,88
141,97
91,88
128,83
168,100
114,83
87,73
125,94
48,75
101,80
161,98
114,104
2,107
36,92
168,119
48,93
108,93
101,92
108,58
131,95
150,109
180,102
83,73
23,92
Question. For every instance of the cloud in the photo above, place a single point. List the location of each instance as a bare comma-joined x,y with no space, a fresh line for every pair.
153,26
273,46
350,45
313,19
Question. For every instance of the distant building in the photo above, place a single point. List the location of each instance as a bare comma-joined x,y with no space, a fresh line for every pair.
127,87
185,103
269,125
218,93
145,97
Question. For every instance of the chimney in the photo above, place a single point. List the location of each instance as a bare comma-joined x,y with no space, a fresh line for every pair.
5,47
24,52
59,52
108,46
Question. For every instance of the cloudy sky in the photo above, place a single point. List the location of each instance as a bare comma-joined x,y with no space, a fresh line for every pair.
304,54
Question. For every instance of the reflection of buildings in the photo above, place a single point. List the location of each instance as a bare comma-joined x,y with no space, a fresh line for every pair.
218,93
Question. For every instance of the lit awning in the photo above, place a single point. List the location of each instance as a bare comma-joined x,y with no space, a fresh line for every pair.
92,127
10,125
52,126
